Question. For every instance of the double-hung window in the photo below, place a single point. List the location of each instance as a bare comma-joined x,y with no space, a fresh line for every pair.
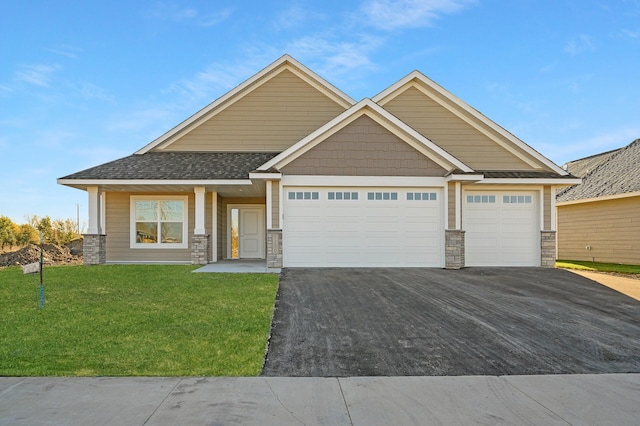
159,222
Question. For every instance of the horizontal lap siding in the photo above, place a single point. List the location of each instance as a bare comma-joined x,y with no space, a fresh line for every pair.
270,118
611,228
118,225
452,133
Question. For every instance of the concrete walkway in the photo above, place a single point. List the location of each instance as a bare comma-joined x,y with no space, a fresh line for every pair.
239,266
627,286
605,399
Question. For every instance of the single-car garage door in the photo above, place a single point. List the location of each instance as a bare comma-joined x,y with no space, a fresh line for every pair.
358,227
502,228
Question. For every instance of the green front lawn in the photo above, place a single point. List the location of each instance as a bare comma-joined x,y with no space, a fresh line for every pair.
598,267
134,320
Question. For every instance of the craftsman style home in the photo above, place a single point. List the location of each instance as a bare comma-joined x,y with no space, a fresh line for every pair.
288,168
599,220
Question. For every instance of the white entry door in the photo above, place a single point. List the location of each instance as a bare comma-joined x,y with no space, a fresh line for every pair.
251,233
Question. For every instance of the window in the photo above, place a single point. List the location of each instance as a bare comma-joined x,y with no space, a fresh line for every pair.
481,199
517,199
422,196
342,195
303,195
158,222
393,196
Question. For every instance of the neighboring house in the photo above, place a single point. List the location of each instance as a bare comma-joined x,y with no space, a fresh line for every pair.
600,219
287,168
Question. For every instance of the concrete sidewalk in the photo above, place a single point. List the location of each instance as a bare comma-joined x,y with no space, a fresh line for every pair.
550,400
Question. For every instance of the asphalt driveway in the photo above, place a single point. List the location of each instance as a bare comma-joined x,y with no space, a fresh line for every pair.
435,322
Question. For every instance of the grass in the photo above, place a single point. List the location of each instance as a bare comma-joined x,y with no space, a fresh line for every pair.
134,320
598,266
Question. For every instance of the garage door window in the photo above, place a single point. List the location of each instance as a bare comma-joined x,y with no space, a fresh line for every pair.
517,199
342,195
422,196
481,199
384,196
304,195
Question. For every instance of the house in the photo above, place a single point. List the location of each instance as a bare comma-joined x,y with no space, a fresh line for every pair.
288,168
600,220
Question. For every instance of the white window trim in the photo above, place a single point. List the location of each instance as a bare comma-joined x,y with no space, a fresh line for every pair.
163,246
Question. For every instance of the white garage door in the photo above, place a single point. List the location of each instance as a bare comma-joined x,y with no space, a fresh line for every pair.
359,227
502,228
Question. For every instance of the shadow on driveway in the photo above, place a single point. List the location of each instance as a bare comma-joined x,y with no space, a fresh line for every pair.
434,322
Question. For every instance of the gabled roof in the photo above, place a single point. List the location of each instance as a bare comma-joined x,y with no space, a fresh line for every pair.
286,62
382,117
176,166
470,115
619,174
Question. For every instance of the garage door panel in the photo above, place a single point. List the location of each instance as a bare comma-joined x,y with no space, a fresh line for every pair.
387,231
501,233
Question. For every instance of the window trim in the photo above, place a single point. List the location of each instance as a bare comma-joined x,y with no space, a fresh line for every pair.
159,245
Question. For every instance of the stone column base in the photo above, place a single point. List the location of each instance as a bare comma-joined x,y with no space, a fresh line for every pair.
94,249
274,248
454,248
548,249
200,249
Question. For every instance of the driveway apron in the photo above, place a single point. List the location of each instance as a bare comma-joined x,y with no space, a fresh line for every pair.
338,322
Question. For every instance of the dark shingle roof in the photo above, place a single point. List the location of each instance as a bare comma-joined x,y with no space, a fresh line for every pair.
583,166
619,174
178,166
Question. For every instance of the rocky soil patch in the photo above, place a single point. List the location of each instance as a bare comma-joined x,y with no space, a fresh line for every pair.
53,255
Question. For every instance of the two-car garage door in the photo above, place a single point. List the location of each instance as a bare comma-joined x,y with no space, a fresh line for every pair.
363,227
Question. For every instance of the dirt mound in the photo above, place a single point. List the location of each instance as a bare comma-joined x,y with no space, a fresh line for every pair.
53,254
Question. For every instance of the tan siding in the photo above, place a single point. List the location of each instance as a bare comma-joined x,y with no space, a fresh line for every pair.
271,118
223,219
547,208
452,205
275,204
363,148
118,232
611,228
452,133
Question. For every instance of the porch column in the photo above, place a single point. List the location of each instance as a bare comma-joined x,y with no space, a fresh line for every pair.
214,227
274,235
94,194
94,241
199,241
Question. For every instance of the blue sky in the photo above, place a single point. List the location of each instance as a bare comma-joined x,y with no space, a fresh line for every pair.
83,83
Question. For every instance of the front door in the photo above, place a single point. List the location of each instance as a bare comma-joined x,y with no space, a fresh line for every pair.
246,231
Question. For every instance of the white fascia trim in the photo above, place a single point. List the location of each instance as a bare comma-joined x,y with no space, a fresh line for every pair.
530,181
338,96
381,97
604,198
423,144
153,182
265,176
465,178
363,181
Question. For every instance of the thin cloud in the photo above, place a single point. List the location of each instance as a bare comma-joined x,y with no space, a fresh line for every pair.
295,17
66,50
391,15
39,75
92,92
581,43
172,12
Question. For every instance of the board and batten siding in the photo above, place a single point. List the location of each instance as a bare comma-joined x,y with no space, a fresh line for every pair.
610,228
118,226
546,197
275,205
270,118
452,133
363,148
451,206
